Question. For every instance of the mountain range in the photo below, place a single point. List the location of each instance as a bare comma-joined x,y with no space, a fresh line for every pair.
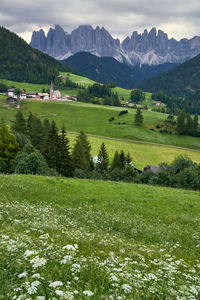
149,48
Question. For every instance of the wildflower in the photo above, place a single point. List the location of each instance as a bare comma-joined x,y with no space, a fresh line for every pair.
40,298
59,292
55,284
76,278
70,247
35,283
36,275
38,262
127,288
44,236
24,274
29,253
66,259
88,293
114,278
32,290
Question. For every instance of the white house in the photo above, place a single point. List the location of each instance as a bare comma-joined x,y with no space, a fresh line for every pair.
11,93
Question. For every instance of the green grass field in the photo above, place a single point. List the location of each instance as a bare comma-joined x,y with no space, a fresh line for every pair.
85,239
29,87
94,119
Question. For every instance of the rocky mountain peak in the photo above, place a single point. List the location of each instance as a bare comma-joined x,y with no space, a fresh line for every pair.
150,47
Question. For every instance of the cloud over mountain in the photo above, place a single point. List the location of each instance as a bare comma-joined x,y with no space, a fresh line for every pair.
119,17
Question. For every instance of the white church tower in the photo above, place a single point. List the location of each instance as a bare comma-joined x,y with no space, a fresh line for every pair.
51,91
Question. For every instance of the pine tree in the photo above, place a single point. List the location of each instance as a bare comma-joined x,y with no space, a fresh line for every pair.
51,147
35,131
8,149
46,126
30,121
195,122
138,117
116,163
122,158
103,160
37,134
64,164
180,123
189,126
81,156
20,124
128,159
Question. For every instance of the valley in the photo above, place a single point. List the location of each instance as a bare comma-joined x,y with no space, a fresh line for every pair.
108,205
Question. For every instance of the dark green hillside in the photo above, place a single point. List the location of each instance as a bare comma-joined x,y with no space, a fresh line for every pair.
179,81
20,62
108,69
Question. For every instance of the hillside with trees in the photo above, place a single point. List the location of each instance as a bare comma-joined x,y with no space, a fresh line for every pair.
180,81
108,69
20,62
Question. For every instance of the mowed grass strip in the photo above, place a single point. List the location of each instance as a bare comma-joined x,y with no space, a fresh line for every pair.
92,239
142,154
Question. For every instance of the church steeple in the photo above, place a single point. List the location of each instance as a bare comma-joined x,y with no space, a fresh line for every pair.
51,91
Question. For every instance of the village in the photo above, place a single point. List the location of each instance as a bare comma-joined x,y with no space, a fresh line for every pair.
21,94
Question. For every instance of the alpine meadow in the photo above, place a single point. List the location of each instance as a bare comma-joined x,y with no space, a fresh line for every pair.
99,151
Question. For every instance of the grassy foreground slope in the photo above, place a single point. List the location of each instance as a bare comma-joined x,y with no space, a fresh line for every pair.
86,239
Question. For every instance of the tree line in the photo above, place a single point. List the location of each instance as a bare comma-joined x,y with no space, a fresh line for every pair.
184,124
35,147
99,94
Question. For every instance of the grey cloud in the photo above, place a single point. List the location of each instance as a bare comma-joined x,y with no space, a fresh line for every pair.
119,17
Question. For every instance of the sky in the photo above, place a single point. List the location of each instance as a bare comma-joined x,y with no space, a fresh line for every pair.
178,18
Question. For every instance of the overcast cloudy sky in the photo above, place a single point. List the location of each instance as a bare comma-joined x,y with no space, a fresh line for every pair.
179,18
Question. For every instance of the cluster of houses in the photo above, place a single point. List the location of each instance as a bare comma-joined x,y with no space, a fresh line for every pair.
132,104
22,95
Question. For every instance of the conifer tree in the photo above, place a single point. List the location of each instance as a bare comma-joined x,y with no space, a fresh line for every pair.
30,121
51,146
116,163
46,126
103,160
37,135
180,123
20,123
128,158
64,164
195,122
8,149
138,117
189,126
81,156
122,158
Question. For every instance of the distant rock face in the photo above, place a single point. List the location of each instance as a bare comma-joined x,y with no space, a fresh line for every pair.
148,48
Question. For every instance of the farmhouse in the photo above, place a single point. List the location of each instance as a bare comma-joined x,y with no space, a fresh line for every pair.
11,92
151,168
43,96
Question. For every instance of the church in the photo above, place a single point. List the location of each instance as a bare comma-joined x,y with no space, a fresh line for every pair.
54,94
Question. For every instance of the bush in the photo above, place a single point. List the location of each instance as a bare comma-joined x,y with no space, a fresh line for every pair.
189,178
79,173
123,112
31,161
